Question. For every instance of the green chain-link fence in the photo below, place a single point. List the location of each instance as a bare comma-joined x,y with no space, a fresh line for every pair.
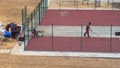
33,20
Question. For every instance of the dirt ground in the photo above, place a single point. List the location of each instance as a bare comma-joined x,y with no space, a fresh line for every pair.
14,61
11,10
8,45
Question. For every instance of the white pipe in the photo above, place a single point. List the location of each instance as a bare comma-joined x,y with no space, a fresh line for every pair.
49,2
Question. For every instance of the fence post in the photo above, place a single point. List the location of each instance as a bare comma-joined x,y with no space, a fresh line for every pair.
28,28
112,4
108,2
95,5
46,5
87,2
24,22
77,4
39,12
24,39
82,2
110,37
81,36
59,4
52,39
24,18
32,20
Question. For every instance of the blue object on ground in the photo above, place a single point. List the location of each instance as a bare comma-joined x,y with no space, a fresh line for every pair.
7,34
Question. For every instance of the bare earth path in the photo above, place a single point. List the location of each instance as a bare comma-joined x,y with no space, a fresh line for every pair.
13,61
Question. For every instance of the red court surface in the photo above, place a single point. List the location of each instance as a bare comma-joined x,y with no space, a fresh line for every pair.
73,44
76,44
78,17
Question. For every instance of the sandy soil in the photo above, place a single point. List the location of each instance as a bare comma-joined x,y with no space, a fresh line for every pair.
8,45
13,61
10,10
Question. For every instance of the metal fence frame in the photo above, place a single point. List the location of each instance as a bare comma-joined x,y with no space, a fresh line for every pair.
110,32
33,20
97,3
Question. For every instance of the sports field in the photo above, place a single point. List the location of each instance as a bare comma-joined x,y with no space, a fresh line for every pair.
15,61
66,31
